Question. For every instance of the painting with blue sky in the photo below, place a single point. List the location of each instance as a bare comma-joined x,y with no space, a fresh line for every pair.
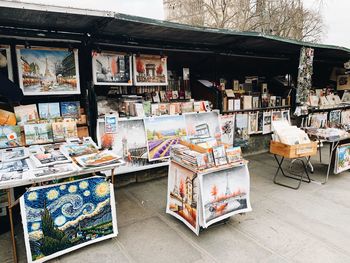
49,110
60,218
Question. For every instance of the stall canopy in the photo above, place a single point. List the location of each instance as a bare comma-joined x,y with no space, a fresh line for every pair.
41,21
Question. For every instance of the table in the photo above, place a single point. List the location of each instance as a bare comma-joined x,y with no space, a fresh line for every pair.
80,171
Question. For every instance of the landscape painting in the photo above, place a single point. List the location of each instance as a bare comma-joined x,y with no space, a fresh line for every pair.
111,69
150,70
342,162
162,132
10,136
61,218
204,124
224,193
183,194
48,71
38,133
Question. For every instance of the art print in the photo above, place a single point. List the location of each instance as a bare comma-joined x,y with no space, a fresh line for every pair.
267,122
111,122
51,158
286,115
252,123
6,62
224,194
227,128
97,159
14,154
183,196
203,125
48,71
26,114
7,118
38,133
150,70
110,68
161,133
61,218
241,130
10,136
342,160
49,111
345,117
277,116
70,109
334,118
63,130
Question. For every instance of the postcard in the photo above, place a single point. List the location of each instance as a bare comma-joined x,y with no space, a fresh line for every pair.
219,155
111,123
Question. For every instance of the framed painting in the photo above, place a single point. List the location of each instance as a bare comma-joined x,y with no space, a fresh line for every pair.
161,133
61,218
6,62
110,68
183,196
48,71
150,70
224,194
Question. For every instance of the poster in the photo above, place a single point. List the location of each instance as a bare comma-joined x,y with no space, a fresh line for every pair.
150,70
110,68
227,128
241,130
183,194
267,122
6,62
342,158
224,194
48,71
38,133
204,124
10,136
61,218
161,133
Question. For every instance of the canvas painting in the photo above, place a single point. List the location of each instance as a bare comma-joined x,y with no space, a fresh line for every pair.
48,71
10,136
183,194
7,118
224,193
63,130
111,69
342,162
61,218
161,133
241,130
205,124
227,128
38,133
70,109
26,114
150,70
6,62
267,122
49,111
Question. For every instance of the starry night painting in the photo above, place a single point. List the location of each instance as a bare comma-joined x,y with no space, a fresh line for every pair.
60,218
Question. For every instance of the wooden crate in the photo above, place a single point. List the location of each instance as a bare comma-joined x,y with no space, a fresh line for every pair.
293,151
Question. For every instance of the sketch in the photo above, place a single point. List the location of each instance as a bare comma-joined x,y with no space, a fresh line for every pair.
150,70
61,218
48,71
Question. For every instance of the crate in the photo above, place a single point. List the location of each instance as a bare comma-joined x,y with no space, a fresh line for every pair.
293,151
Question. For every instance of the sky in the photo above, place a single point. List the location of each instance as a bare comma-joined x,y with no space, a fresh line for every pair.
335,13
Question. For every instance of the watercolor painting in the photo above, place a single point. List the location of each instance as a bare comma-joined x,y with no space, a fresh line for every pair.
48,71
150,70
198,124
26,114
38,133
70,109
241,130
111,69
183,194
227,128
162,132
49,111
342,161
224,193
61,218
7,118
63,130
10,136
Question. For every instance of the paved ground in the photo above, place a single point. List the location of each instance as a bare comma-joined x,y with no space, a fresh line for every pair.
308,225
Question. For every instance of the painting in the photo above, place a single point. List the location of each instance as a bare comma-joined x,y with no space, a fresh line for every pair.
6,62
14,154
150,70
49,111
12,173
224,194
48,71
277,116
10,136
38,133
241,130
252,123
161,133
183,196
342,161
26,114
227,128
111,69
7,118
267,122
334,118
61,218
204,125
63,130
70,109
286,115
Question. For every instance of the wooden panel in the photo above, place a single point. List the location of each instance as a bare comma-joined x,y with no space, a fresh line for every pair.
293,151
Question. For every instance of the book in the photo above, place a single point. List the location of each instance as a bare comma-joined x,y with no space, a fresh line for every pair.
147,108
265,101
70,109
256,102
163,96
155,97
26,114
278,101
155,109
272,102
48,159
237,104
139,110
163,108
175,95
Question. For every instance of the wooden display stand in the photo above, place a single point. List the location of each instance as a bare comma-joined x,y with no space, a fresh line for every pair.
297,153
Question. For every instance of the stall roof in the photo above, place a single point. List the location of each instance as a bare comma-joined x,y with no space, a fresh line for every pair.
120,28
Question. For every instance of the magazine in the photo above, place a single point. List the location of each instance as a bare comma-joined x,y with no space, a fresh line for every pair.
47,159
97,159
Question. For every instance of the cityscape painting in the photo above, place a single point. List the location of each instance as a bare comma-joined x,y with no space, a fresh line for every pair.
162,132
183,196
48,71
61,218
342,158
195,124
150,70
224,194
38,133
111,68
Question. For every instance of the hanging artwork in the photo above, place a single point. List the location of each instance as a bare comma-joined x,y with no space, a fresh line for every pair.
6,62
48,71
224,194
61,218
182,199
286,115
227,128
241,130
260,121
252,123
334,118
38,133
10,136
277,116
161,133
49,111
345,117
205,124
150,70
110,68
342,158
305,75
266,122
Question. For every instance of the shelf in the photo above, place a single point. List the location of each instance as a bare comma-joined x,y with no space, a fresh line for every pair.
259,109
337,107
